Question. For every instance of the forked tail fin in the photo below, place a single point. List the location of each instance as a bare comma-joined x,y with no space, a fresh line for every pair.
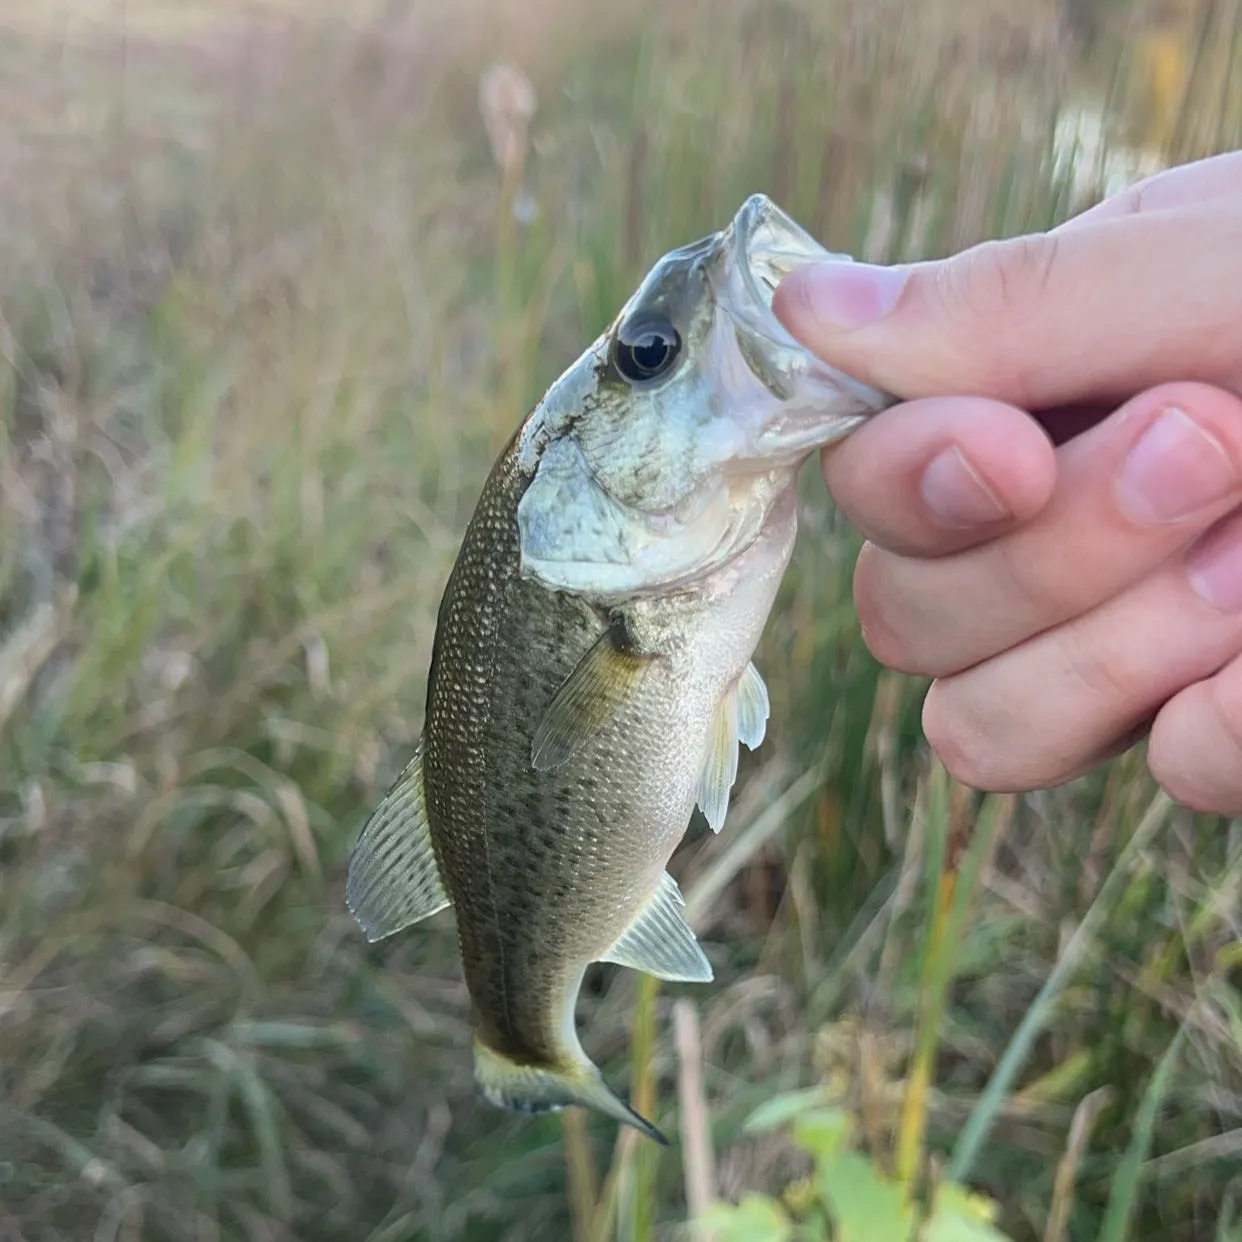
543,1089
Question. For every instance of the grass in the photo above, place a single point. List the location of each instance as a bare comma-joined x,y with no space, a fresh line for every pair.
265,318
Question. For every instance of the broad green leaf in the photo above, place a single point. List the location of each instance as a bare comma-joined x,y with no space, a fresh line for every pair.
822,1132
780,1110
865,1205
958,1215
755,1219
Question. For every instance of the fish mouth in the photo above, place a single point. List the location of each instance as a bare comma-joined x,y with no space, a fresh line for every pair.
767,245
815,403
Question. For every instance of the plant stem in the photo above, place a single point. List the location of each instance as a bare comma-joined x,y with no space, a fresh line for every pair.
581,1179
642,1212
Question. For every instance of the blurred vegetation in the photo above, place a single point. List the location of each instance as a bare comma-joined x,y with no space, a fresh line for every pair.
266,313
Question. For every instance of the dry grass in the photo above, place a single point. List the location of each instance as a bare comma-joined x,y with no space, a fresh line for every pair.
264,320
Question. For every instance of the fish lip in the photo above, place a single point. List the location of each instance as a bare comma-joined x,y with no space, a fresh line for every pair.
759,210
819,404
765,244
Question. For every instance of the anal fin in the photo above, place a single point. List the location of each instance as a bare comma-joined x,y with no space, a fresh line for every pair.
741,718
394,880
660,942
605,677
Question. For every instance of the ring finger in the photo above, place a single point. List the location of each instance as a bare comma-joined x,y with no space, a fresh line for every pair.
1129,494
1035,715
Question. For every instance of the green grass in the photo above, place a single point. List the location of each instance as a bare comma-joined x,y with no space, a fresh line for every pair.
263,325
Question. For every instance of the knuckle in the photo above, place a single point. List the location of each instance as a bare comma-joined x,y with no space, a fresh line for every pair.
996,277
987,742
1227,710
878,618
969,754
990,286
1168,770
1094,668
1195,754
1029,588
940,728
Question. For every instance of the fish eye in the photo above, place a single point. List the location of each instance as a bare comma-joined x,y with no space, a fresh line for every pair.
645,350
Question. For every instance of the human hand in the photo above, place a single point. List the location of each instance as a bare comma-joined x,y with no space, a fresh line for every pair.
1067,600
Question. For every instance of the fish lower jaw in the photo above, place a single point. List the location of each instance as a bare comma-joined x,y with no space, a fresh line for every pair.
523,1088
514,1103
535,1089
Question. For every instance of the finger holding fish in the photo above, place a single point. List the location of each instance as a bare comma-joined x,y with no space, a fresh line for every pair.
1129,494
941,474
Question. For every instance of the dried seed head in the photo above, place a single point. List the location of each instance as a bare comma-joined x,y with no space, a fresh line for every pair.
507,101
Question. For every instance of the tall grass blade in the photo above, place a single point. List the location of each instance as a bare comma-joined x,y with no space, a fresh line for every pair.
641,1208
580,1174
949,916
1125,1185
984,1114
698,1158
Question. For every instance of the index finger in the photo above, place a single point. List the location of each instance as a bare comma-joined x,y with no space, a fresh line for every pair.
1217,176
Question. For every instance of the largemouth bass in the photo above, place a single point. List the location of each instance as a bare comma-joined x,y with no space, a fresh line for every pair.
591,677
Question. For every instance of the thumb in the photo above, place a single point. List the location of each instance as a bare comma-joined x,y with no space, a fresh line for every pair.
1100,311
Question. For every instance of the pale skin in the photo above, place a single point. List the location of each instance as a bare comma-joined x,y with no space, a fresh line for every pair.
1072,580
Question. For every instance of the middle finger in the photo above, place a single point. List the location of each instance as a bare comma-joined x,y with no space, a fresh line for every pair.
1129,493
1040,712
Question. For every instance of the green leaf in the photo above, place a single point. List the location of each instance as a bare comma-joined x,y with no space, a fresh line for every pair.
958,1215
865,1205
822,1132
1125,1189
988,1106
1228,1228
755,1219
780,1110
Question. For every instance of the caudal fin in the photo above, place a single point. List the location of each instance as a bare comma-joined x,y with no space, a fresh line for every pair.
539,1089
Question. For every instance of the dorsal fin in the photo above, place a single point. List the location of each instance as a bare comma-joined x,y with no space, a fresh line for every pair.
394,881
660,942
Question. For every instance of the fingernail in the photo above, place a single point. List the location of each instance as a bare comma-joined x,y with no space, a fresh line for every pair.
1214,566
848,295
957,494
1174,470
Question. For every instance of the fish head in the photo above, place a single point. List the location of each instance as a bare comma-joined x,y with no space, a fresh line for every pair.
660,454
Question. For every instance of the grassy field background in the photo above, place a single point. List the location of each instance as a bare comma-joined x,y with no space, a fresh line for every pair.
266,314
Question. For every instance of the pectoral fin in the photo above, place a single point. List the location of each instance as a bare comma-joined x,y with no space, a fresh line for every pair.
393,877
741,718
605,677
660,942
753,708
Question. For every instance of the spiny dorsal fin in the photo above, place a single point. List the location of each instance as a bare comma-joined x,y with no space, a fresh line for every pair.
393,878
602,680
741,717
660,942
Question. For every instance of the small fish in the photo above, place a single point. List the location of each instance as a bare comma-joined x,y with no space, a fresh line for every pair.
591,677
